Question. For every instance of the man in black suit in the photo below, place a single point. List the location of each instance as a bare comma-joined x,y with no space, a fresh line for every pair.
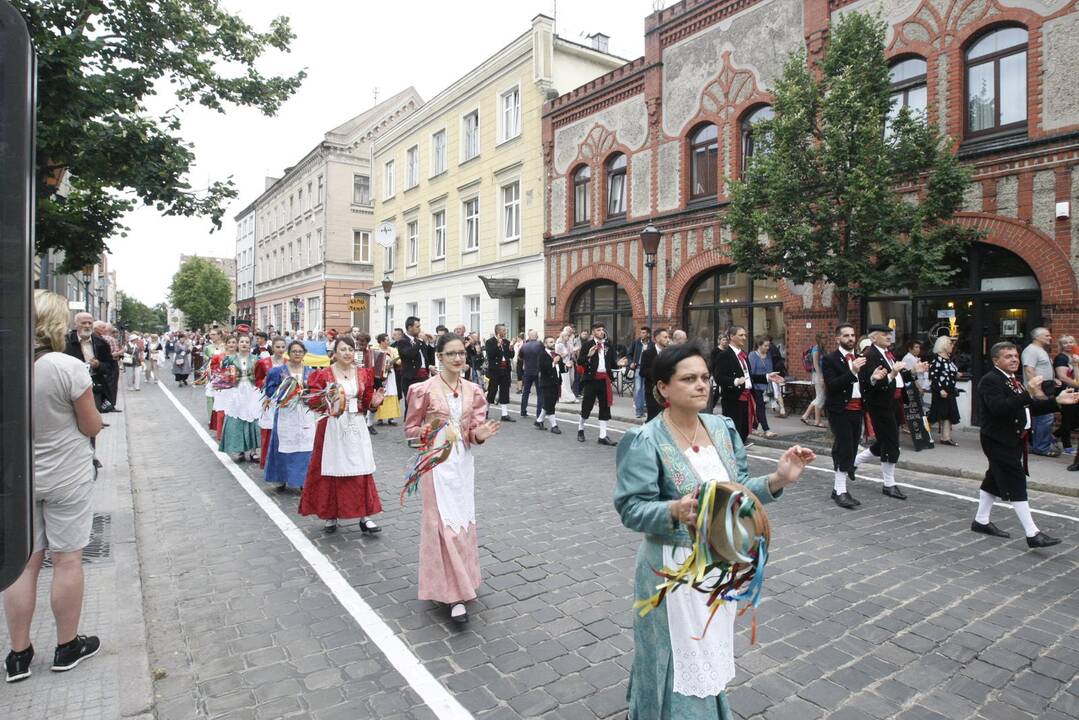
843,394
596,360
499,365
648,360
881,380
90,348
736,382
414,360
1007,411
550,384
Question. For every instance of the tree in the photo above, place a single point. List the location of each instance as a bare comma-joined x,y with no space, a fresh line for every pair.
137,316
98,61
833,195
202,291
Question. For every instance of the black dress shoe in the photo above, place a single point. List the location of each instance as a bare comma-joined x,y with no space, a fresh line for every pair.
369,527
538,424
580,436
507,418
556,430
1042,540
988,529
1074,467
893,492
844,500
606,441
371,430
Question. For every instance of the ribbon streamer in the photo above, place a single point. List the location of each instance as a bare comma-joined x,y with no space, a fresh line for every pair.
428,457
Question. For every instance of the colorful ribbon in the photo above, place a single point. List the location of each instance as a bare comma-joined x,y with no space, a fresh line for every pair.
427,459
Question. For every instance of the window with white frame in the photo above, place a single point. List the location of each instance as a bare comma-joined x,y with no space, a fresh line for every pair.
511,211
510,107
310,251
278,316
412,309
291,207
361,190
438,153
291,259
310,196
389,181
299,203
314,313
321,190
299,253
361,246
276,268
470,135
388,258
470,211
472,312
438,311
389,316
412,247
318,245
412,167
264,317
438,237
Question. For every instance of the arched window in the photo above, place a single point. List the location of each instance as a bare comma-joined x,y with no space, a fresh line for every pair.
703,161
908,89
996,75
752,141
616,186
723,297
582,192
604,302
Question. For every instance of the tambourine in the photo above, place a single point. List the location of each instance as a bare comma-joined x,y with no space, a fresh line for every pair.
737,523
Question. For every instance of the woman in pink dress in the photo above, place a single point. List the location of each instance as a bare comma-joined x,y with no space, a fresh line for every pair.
449,551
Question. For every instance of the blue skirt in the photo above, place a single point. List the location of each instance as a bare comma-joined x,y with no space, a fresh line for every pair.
287,469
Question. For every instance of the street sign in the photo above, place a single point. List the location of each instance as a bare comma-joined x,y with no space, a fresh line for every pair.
357,304
386,234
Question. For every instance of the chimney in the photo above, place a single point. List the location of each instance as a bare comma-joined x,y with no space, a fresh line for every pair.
270,181
599,41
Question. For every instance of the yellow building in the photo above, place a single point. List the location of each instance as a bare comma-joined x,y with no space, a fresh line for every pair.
461,181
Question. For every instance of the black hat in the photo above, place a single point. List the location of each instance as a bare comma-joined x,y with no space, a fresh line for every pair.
879,328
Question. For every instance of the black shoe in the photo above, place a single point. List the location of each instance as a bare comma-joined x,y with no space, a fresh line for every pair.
1074,466
282,488
71,654
391,422
851,473
116,409
461,617
556,430
371,430
844,500
606,441
538,424
18,664
97,463
369,527
894,492
241,458
953,443
330,528
1042,540
507,418
988,529
580,436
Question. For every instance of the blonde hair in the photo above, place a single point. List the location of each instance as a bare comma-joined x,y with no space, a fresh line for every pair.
1064,340
50,320
943,344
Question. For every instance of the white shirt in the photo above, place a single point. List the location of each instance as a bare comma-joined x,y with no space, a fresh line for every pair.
898,378
602,353
856,387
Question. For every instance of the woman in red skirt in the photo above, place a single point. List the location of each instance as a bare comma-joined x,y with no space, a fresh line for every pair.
340,482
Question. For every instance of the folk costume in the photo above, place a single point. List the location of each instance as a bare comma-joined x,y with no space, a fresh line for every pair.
499,362
390,409
208,352
882,403
340,482
668,680
449,550
240,431
843,400
737,401
266,416
288,452
550,385
595,372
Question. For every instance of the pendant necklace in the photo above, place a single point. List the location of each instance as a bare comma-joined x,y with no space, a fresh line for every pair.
454,390
692,441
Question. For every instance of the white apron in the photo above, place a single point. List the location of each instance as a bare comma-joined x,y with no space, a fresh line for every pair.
346,446
455,479
266,413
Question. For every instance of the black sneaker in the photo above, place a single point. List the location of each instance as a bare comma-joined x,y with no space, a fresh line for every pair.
18,664
71,654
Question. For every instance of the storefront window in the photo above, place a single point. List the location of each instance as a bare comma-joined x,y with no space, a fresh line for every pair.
724,297
604,302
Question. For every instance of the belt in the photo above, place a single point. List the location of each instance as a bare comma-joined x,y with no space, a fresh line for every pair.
854,404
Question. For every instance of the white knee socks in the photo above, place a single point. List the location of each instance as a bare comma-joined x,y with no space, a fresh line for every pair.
863,457
1022,509
840,482
543,414
603,428
580,423
985,504
552,420
887,471
505,410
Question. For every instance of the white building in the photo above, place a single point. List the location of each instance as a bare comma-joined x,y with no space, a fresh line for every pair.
245,264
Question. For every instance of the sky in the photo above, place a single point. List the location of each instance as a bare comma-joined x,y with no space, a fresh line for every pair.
348,48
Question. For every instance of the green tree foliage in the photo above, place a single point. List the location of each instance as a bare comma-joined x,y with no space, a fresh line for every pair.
98,62
202,291
140,317
832,196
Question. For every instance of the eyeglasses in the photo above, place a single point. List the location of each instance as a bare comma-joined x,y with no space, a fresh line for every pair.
454,354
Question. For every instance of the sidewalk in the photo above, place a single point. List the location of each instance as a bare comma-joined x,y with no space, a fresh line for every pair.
965,461
116,683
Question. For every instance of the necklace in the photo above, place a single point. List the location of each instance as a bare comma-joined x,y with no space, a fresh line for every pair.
691,440
452,389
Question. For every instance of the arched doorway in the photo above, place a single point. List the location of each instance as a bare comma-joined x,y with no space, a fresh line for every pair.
604,302
723,297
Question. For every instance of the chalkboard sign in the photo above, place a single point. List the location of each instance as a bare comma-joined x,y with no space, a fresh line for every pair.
914,414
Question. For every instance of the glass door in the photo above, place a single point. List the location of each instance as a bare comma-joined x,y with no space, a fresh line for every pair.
1000,320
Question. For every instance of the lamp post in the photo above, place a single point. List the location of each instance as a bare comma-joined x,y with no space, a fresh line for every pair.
650,237
387,285
87,273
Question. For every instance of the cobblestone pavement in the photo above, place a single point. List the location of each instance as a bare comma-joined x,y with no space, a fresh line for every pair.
895,610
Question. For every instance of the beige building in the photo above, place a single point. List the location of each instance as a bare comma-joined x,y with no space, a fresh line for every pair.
461,182
313,227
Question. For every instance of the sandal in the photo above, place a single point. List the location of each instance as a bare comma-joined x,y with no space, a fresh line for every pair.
806,422
820,425
769,434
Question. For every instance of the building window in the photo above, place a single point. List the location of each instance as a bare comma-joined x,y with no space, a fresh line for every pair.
291,207
438,238
472,312
511,211
752,139
470,135
291,259
264,317
412,232
310,251
908,90
361,190
299,203
438,153
511,113
390,180
361,246
470,210
704,161
438,311
997,81
616,186
412,167
389,317
388,259
605,302
318,245
299,253
412,309
276,268
314,313
320,189
582,194
723,297
310,197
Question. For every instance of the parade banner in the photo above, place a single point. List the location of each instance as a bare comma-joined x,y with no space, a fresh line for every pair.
914,415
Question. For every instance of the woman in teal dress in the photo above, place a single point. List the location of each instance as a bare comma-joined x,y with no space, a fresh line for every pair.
660,466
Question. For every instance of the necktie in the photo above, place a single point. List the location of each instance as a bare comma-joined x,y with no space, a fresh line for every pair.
888,354
850,357
1016,385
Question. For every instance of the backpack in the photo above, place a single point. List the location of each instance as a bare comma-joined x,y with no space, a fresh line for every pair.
807,358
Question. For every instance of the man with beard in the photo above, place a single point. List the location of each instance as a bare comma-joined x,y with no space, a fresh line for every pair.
499,361
413,353
94,351
843,394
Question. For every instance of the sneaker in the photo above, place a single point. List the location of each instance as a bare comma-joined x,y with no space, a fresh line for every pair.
1069,451
18,664
71,654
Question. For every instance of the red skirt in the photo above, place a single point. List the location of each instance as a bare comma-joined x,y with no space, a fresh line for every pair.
336,497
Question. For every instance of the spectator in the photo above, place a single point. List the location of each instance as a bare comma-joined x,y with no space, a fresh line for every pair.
132,358
816,352
679,337
760,363
636,349
64,420
83,344
181,359
943,376
153,350
529,359
911,360
1036,363
779,362
1064,365
112,369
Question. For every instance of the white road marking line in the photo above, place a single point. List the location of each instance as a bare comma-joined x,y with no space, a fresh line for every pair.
933,491
430,690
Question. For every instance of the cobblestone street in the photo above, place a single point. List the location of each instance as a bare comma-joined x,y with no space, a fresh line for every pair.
896,610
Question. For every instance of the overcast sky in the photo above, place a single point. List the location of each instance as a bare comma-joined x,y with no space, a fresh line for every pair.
348,47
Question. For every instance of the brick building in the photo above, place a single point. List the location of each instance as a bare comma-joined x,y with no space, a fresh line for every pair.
659,138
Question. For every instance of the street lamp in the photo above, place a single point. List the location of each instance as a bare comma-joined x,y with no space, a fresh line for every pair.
387,285
87,273
650,237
